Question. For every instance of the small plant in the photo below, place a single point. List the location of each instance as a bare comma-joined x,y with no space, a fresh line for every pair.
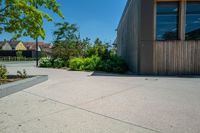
84,64
45,62
75,64
19,54
113,64
22,75
3,72
58,63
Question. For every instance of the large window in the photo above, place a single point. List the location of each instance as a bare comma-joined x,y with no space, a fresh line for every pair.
193,21
167,21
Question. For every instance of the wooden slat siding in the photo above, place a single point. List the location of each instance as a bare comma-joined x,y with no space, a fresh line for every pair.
128,35
177,58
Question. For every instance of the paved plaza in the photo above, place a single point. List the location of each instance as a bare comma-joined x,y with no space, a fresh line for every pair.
75,102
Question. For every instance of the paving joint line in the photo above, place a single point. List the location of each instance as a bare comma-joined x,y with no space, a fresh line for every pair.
105,116
113,94
106,96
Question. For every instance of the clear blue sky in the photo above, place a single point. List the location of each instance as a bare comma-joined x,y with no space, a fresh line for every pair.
95,18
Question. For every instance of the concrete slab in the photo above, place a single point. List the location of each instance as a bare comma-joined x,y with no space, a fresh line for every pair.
164,109
75,121
81,91
22,107
103,104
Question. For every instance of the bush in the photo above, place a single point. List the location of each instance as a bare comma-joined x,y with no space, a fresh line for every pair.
45,62
113,64
58,63
3,72
19,54
91,63
76,63
84,64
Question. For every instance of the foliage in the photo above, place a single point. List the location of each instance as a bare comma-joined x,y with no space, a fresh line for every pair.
25,17
76,64
99,49
3,72
19,54
58,63
67,42
61,50
45,62
86,64
22,74
65,32
113,64
71,51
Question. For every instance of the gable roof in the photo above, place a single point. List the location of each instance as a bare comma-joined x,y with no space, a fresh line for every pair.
13,44
32,45
2,43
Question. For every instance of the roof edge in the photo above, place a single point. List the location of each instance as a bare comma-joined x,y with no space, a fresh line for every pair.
124,12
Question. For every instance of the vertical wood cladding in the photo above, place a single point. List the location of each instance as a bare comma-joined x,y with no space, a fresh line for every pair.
177,57
128,33
136,42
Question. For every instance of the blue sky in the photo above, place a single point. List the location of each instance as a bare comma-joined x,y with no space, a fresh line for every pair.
95,18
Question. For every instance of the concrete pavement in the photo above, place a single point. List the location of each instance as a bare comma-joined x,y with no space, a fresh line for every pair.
74,102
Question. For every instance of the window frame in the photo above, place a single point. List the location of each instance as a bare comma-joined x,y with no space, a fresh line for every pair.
182,18
178,19
185,28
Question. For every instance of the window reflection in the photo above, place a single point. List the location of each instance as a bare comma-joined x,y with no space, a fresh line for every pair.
167,21
193,21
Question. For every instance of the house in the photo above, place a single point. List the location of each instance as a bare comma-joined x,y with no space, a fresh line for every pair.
17,45
160,37
32,45
42,46
5,45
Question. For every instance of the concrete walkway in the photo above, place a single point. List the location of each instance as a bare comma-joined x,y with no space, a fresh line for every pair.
73,102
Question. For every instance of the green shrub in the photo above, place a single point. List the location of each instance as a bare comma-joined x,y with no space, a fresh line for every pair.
66,63
19,54
3,72
91,63
58,63
45,62
84,64
76,64
113,64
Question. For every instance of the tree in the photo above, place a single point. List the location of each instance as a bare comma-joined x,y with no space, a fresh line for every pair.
67,43
100,49
66,32
25,17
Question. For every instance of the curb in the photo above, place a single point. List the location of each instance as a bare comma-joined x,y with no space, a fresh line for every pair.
20,85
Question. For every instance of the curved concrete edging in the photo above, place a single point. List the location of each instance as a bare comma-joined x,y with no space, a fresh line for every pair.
14,87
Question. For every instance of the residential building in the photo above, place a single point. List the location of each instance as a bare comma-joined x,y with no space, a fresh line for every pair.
42,46
5,45
17,45
160,37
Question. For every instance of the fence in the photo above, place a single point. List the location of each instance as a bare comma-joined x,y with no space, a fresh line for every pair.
13,53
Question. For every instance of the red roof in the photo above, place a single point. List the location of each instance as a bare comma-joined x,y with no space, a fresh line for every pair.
32,45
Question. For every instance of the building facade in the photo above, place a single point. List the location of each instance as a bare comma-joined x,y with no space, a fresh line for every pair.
160,37
5,46
17,45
